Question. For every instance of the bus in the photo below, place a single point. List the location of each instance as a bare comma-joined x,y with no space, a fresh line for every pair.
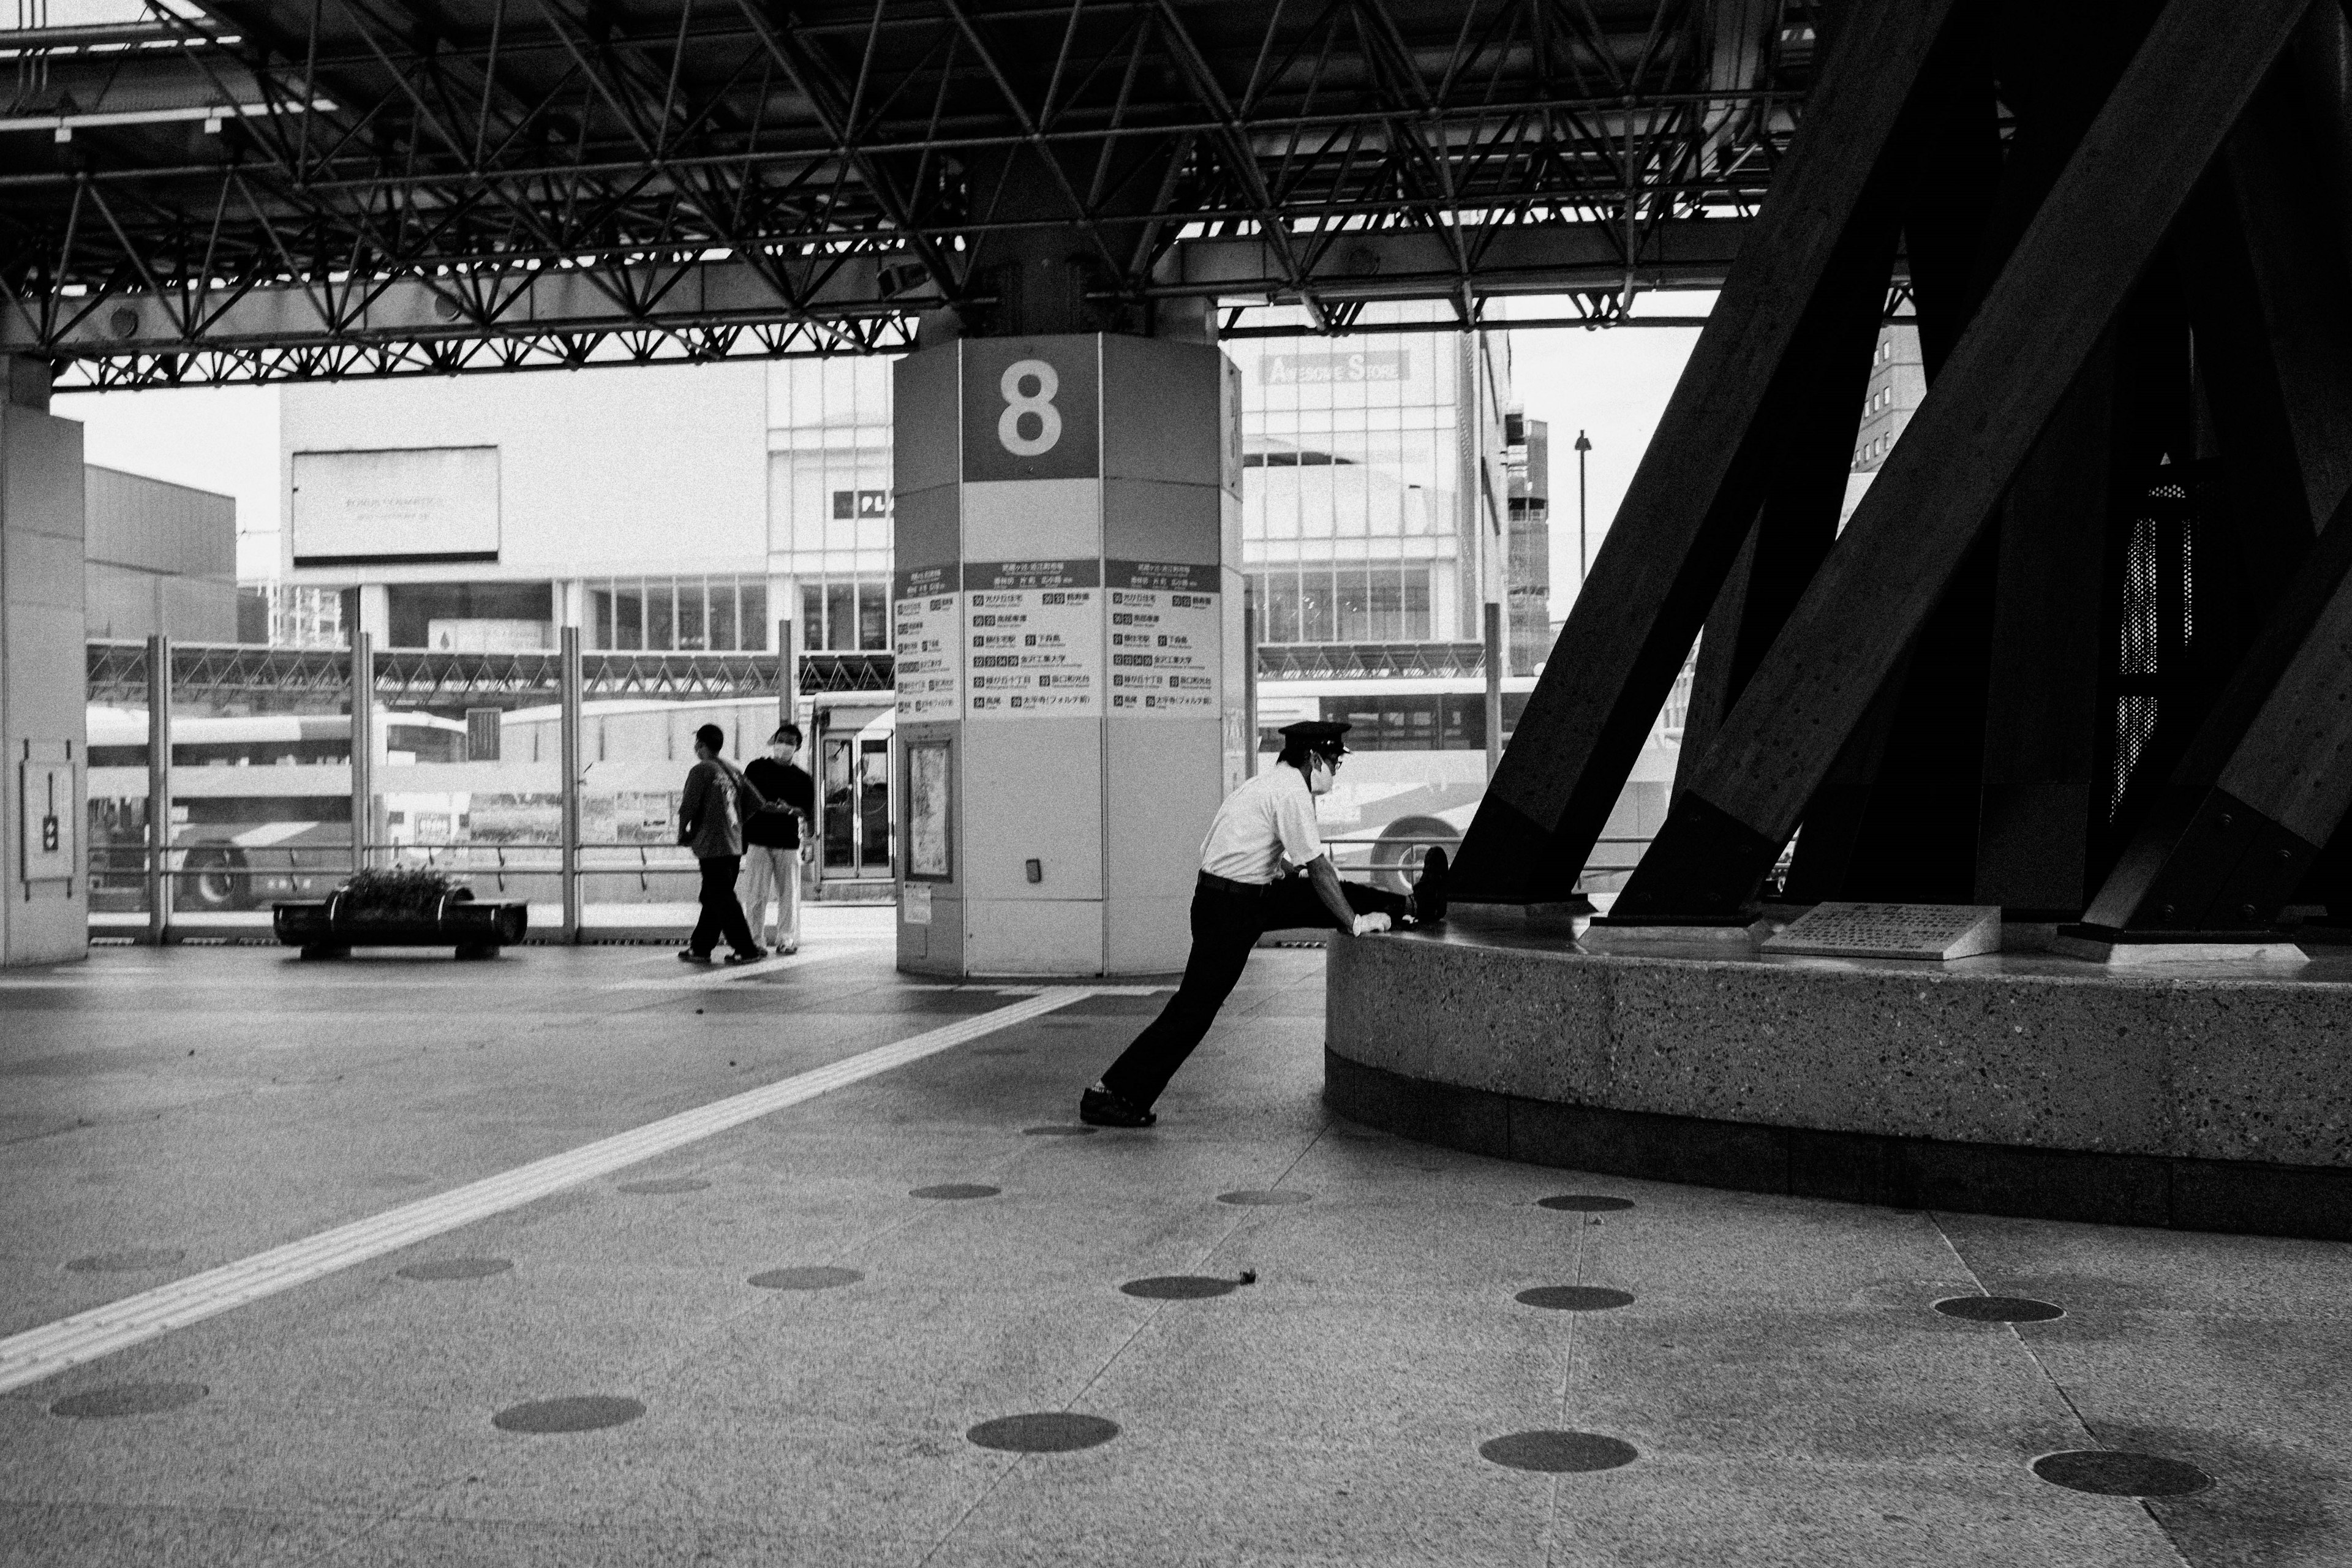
261,804
1417,770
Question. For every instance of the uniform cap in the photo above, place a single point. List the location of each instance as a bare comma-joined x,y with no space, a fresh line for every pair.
1319,735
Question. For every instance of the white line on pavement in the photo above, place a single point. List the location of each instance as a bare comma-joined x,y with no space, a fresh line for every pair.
44,1351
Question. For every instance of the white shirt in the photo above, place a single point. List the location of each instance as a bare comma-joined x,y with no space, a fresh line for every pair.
1270,817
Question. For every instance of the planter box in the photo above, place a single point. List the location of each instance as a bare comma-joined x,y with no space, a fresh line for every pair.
326,930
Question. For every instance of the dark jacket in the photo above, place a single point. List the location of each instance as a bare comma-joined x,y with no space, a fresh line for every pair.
781,783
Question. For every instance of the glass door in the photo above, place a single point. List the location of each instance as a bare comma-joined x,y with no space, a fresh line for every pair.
874,808
839,784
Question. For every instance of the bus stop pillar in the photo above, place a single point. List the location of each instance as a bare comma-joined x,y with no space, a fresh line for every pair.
158,866
1067,624
568,696
364,748
43,680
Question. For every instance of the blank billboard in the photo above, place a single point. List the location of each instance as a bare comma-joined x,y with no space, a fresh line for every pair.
416,504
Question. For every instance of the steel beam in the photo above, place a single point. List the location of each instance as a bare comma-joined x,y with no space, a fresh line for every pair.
2154,137
1696,490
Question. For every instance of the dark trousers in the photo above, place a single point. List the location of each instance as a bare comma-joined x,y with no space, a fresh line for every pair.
722,912
1226,923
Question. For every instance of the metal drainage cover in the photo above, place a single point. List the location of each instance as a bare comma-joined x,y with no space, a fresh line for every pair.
1048,1432
1558,1453
956,1190
1573,1297
1584,1203
1178,1287
1270,1199
128,1399
663,1186
2120,1475
1999,1310
2111,1474
456,1268
576,1413
129,1261
814,1278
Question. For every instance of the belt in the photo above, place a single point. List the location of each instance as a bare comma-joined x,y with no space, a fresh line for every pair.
1226,884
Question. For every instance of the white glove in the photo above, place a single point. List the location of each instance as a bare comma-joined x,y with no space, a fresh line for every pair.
1367,924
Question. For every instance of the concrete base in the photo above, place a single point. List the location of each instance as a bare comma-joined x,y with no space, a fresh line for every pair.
2035,1085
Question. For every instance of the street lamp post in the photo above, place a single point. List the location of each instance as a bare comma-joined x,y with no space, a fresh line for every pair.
1582,447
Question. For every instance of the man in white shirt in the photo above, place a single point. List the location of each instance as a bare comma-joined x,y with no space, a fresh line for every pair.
1243,893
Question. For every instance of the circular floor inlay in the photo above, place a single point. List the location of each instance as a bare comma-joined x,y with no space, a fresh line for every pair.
456,1268
1559,1452
128,1399
1999,1310
1573,1297
1047,1432
2111,1474
1059,1130
816,1278
127,1261
1584,1203
663,1186
1268,1199
956,1190
1177,1287
574,1413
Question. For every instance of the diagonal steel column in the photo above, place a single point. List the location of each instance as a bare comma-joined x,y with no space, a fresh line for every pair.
1696,491
2150,144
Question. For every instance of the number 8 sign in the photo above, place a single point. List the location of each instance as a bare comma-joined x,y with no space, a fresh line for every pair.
1030,409
1020,406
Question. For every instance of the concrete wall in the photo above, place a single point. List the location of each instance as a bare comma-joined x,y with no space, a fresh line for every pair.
41,680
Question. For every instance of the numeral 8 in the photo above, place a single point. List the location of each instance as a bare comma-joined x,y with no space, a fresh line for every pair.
1048,417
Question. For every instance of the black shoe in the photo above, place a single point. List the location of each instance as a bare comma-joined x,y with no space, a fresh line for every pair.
690,956
753,955
1101,1108
1429,891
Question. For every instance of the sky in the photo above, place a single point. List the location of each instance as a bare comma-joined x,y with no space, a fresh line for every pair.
1613,384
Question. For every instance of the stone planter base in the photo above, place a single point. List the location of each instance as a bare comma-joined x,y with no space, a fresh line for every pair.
324,929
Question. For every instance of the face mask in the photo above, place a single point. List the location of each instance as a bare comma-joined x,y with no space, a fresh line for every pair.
1319,776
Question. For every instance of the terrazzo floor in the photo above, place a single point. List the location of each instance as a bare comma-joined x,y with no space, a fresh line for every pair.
920,1317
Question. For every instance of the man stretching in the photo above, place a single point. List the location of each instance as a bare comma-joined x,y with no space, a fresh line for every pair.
1241,894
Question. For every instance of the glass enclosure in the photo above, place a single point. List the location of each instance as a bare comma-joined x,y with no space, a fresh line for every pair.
465,775
256,795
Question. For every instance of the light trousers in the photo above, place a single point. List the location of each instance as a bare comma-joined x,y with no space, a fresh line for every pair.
773,874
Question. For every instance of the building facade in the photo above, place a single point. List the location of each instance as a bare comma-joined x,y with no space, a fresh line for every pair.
1898,384
1528,572
723,507
157,558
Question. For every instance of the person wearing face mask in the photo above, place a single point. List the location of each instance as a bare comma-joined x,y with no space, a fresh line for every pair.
1241,894
772,839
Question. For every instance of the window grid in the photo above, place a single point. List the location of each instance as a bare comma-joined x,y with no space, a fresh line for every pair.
668,614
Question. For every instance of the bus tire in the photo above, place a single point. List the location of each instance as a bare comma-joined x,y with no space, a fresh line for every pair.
212,881
1394,864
